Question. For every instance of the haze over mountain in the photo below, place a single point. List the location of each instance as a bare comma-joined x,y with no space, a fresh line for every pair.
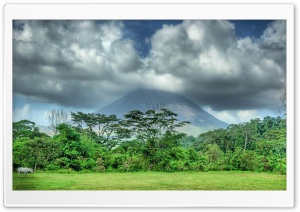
144,99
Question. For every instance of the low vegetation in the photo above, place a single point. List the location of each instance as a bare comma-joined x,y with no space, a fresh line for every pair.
217,180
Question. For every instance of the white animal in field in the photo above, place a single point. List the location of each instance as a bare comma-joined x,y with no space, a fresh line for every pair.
24,170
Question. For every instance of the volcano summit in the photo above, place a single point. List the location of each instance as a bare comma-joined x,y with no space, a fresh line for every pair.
144,99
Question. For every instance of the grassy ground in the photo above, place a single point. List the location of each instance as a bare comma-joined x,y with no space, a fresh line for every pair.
226,180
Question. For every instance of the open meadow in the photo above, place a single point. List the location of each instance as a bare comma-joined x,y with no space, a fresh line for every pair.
215,180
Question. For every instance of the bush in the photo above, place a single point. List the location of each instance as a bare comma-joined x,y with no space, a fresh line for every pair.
174,165
100,165
89,164
213,152
76,165
178,165
178,153
137,163
52,167
115,161
162,160
274,163
192,155
235,159
250,161
195,166
62,162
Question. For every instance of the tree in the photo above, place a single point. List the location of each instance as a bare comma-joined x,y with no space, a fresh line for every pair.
34,152
67,133
56,117
120,133
281,110
107,130
187,141
71,147
42,150
26,129
151,126
249,133
107,126
78,118
213,152
21,153
250,161
235,135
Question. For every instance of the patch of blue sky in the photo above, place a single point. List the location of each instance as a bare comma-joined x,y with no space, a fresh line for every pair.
140,31
250,28
26,108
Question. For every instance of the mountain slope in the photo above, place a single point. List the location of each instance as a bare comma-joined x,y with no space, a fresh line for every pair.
143,99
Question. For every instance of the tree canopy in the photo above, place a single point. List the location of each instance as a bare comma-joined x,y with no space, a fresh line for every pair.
143,141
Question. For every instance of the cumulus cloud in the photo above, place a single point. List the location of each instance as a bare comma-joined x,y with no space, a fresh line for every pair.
90,63
220,70
72,63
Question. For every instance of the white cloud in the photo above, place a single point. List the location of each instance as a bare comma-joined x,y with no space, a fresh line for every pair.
218,69
21,113
88,63
234,116
275,33
246,115
165,82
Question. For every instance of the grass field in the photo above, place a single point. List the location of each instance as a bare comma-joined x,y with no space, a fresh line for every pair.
225,180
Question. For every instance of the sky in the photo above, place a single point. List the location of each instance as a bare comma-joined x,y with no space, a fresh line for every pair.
234,69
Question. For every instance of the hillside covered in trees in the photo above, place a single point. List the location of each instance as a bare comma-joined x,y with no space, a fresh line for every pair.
149,141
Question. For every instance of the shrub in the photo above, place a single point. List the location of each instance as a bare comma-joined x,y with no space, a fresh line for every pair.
115,161
178,153
213,152
192,154
100,165
52,167
137,163
76,165
89,164
125,167
250,161
235,159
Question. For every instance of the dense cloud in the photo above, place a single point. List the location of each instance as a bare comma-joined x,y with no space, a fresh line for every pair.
73,63
90,63
217,68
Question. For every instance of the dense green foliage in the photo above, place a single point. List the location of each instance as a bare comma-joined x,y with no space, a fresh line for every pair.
148,141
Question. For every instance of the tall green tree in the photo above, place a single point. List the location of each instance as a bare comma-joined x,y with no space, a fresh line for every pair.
42,150
36,152
107,130
152,126
26,129
71,147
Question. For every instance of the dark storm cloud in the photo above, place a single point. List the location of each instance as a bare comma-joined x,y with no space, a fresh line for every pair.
90,63
72,63
220,70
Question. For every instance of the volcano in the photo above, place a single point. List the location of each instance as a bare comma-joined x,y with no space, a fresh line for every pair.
187,110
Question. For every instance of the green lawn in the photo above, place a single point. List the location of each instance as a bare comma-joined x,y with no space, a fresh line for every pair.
218,180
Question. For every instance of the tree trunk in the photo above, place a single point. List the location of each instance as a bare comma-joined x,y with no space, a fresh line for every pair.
246,140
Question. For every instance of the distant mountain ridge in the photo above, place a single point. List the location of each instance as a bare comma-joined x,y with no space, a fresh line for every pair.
144,99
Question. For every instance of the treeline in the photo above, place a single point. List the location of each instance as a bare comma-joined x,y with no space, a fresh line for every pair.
148,141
